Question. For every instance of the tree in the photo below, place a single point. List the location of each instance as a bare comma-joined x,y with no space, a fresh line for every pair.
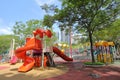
5,41
24,30
112,32
48,18
48,21
87,15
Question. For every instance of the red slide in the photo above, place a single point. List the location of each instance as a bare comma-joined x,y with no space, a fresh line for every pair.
61,54
21,54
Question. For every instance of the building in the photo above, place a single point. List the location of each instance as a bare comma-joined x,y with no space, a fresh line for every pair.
74,37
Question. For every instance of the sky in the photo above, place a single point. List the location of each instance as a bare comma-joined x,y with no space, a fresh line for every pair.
12,11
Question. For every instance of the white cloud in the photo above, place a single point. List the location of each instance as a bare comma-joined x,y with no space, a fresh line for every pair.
5,29
41,2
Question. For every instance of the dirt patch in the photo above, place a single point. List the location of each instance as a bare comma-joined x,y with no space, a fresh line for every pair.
11,73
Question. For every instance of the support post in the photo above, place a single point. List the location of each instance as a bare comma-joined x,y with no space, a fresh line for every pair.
43,51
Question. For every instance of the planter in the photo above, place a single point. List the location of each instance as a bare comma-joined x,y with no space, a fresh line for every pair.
96,64
93,65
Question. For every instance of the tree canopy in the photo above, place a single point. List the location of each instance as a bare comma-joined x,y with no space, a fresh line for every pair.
87,15
111,33
5,42
23,30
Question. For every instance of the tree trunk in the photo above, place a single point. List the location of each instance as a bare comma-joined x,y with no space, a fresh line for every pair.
91,46
71,41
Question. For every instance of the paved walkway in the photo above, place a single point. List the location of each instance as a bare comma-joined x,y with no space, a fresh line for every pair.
79,72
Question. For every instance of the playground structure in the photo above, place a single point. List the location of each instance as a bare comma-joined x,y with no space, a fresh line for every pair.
117,50
104,51
37,47
62,46
13,58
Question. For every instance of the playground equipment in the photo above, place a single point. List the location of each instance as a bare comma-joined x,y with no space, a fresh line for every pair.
104,51
13,58
63,46
117,47
36,44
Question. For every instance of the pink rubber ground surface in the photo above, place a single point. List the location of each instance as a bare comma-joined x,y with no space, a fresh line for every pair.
79,72
3,67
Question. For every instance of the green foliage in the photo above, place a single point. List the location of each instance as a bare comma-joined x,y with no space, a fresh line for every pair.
23,30
5,42
48,18
96,63
76,46
48,21
110,33
49,8
88,15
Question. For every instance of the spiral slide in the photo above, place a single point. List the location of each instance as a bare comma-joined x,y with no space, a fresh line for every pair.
21,54
34,44
61,54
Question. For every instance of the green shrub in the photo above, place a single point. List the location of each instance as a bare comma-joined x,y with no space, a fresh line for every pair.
96,63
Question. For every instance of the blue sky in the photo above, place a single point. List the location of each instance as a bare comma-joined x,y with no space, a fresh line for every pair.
20,10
